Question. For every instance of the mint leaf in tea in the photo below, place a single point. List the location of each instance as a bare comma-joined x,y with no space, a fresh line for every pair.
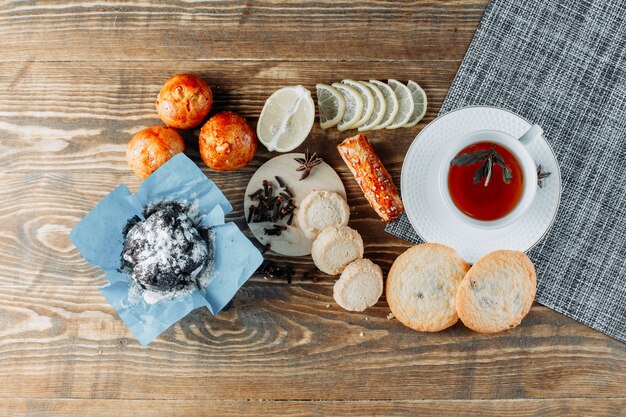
485,181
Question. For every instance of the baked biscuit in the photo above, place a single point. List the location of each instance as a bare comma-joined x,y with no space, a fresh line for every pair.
227,142
335,247
497,292
184,101
321,209
422,285
152,147
360,285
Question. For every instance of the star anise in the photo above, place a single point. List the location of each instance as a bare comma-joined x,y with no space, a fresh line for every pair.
308,163
541,175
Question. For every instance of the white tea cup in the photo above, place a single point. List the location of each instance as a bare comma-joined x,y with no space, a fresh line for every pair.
518,147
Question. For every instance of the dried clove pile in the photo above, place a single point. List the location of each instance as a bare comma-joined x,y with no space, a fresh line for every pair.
270,269
272,206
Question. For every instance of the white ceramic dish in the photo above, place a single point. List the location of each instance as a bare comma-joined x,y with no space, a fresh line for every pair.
431,216
293,241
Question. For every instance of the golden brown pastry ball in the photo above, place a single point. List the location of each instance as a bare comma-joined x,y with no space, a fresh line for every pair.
184,101
227,142
152,147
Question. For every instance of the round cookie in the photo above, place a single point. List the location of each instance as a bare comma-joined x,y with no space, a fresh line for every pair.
321,209
422,285
335,247
360,285
497,292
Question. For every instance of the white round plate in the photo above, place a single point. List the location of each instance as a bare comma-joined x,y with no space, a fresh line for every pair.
293,241
432,219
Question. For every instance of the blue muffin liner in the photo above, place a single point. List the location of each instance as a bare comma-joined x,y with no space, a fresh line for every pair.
99,239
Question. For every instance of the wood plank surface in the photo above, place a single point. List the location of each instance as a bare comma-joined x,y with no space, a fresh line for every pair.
186,408
78,79
226,30
291,343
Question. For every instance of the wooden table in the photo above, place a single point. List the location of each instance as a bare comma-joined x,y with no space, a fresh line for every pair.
77,79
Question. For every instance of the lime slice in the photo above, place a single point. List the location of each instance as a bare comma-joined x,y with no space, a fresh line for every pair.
368,100
405,104
330,104
354,106
421,102
286,119
379,108
391,102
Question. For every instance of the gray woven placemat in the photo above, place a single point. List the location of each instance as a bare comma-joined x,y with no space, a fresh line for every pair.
562,64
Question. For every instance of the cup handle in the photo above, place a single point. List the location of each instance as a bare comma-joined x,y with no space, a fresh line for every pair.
531,134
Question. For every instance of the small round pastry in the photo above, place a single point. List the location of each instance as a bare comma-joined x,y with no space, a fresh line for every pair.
184,101
335,247
227,142
152,147
360,285
422,285
497,293
321,209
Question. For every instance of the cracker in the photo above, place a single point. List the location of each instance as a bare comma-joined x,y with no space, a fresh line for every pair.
360,285
321,209
422,285
497,292
335,247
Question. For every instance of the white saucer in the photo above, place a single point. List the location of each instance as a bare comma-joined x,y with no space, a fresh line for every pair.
293,241
432,219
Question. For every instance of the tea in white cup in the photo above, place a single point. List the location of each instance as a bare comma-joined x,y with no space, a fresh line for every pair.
489,179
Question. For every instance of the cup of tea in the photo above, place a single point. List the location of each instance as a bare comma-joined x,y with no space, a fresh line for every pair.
489,179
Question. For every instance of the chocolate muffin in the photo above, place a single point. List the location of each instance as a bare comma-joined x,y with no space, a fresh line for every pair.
165,251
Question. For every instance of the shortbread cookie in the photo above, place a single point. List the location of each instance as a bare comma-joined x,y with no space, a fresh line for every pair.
321,209
360,285
422,285
335,247
497,292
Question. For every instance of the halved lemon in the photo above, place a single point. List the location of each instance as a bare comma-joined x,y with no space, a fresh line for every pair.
405,104
354,106
286,119
420,101
368,100
380,106
331,105
391,103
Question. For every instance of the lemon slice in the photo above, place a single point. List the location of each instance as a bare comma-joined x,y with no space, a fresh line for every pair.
405,104
331,105
354,106
420,101
391,102
379,108
286,119
368,100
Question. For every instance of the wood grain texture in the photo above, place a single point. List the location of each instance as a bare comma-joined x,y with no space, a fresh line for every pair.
290,343
78,79
191,408
254,30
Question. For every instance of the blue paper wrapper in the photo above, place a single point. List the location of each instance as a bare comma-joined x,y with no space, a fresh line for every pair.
99,238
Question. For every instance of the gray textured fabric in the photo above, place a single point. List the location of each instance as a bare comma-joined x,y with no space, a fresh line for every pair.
562,64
